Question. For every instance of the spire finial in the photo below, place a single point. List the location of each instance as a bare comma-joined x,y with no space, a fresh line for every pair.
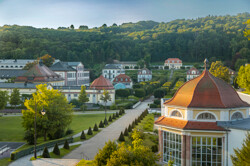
205,63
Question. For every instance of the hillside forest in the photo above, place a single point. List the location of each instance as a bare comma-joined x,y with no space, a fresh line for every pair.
192,40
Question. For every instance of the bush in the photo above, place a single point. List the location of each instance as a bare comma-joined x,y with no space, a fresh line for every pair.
101,125
76,103
114,116
106,122
69,131
126,132
136,122
123,93
83,135
29,137
113,107
95,128
157,102
140,93
120,112
166,67
153,106
56,149
121,137
129,128
136,86
154,148
110,119
45,153
160,93
133,124
117,115
90,131
105,153
66,145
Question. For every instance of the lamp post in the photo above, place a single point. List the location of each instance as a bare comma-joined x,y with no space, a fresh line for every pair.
43,113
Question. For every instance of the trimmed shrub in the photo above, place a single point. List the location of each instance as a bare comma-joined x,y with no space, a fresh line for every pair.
101,125
117,114
114,116
129,128
121,138
95,128
110,118
56,149
120,112
106,122
126,132
66,145
90,131
45,153
83,135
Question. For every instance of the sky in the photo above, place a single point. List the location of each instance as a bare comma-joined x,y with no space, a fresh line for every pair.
94,13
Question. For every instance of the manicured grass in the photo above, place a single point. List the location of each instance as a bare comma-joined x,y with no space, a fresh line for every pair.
11,129
86,163
147,124
5,161
63,152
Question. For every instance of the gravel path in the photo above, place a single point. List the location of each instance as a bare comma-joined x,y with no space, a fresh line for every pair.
90,147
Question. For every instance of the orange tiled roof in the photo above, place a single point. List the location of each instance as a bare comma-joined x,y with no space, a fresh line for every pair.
173,60
122,78
206,91
188,125
101,83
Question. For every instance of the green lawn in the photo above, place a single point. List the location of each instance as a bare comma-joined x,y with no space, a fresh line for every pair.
5,161
12,130
63,152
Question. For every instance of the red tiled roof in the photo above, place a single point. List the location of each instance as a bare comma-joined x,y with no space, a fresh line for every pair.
206,91
122,78
188,125
101,83
173,60
189,72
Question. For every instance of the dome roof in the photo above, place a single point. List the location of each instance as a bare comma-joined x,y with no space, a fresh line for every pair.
120,86
206,91
101,83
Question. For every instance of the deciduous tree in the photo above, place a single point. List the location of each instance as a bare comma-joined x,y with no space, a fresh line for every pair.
220,71
105,98
243,78
15,98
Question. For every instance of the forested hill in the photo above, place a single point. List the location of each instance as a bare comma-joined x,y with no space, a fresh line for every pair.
190,40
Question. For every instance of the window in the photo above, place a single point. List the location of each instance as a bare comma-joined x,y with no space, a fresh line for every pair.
176,114
75,95
206,151
206,116
172,147
236,116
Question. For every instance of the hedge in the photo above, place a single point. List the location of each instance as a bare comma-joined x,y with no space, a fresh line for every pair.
18,154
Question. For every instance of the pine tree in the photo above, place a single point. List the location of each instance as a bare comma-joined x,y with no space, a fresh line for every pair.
117,114
45,153
83,135
129,128
56,149
114,116
90,131
241,156
106,122
101,125
110,118
120,112
95,128
121,137
66,145
126,132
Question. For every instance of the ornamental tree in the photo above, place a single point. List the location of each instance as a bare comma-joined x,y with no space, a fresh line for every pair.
83,98
220,71
58,112
105,98
3,99
15,98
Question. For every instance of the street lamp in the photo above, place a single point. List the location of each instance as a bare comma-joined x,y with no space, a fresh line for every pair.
43,113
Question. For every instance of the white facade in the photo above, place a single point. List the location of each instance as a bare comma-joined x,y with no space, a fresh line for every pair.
144,75
14,63
173,63
192,73
110,71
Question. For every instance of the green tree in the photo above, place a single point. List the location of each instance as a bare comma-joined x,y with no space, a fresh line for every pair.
239,63
104,154
178,85
15,98
147,59
123,93
140,93
84,27
3,99
47,60
72,26
220,71
243,78
105,98
58,112
29,65
160,93
241,156
83,98
247,30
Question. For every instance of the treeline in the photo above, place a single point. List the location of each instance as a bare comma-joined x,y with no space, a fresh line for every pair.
213,37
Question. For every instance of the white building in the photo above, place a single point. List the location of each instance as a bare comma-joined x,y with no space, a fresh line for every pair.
14,63
82,75
110,71
144,75
192,73
124,79
173,63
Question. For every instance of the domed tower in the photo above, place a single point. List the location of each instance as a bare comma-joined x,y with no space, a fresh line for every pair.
191,129
97,88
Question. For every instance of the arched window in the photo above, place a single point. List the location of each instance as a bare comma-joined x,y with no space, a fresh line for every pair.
206,116
176,114
236,115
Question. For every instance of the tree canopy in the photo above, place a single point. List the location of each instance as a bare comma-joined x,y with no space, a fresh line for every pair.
243,78
15,97
220,71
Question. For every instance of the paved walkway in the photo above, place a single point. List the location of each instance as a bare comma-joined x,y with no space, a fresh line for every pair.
90,148
244,97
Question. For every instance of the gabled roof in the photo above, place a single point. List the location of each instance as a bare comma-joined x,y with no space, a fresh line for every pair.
173,60
122,78
189,72
147,71
188,125
206,91
101,83
62,66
